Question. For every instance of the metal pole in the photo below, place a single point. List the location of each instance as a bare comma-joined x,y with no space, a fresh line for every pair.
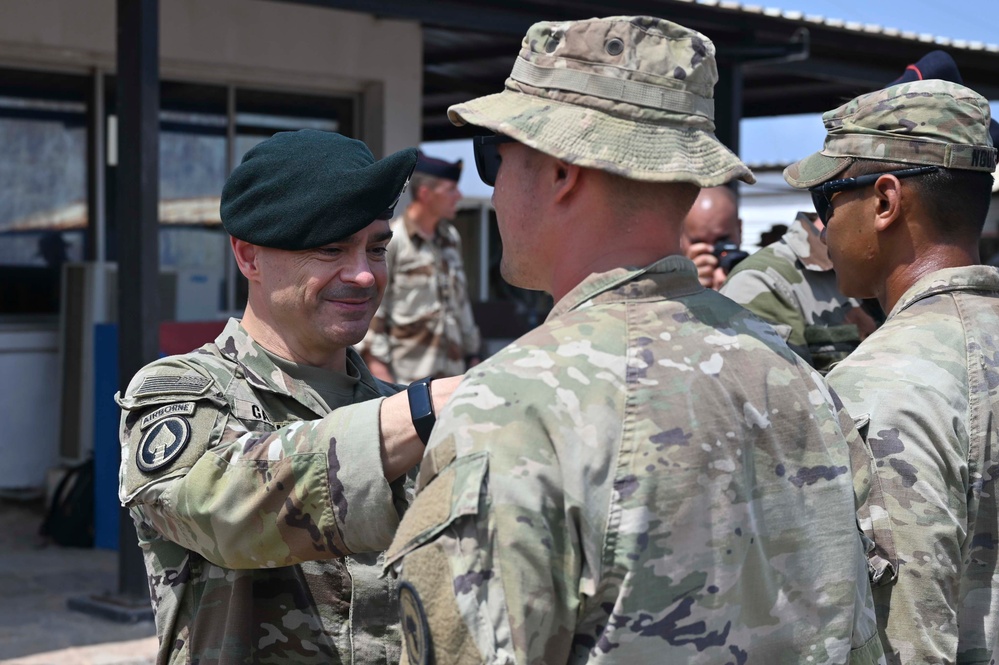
231,270
728,104
484,251
138,227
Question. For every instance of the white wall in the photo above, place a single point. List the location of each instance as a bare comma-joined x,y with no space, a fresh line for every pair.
270,45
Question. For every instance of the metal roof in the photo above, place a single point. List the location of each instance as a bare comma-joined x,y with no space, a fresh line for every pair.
469,48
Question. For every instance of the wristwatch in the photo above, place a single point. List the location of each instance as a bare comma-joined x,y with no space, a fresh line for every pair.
421,408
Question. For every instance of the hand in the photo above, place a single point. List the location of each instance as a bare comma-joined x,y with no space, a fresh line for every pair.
708,273
401,446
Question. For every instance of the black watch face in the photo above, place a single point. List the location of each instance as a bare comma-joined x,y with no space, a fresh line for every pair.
419,401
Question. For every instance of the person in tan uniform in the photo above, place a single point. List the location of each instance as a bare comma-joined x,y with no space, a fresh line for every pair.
424,326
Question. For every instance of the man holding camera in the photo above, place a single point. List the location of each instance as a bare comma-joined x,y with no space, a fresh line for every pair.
711,235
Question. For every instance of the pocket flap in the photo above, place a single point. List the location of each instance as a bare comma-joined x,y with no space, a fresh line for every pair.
455,492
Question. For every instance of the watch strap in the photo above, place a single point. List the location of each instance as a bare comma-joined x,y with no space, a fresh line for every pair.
421,408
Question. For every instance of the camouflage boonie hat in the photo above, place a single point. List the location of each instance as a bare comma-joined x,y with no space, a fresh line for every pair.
628,95
931,122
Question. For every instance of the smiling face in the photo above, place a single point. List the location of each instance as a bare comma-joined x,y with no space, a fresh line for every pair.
322,300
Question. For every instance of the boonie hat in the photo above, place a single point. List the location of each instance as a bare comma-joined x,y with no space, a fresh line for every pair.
930,122
439,168
628,95
305,189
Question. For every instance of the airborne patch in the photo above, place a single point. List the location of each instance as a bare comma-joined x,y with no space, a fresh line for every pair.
415,631
181,408
162,444
172,385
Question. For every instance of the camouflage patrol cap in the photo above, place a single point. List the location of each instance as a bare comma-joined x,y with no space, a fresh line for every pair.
931,122
628,95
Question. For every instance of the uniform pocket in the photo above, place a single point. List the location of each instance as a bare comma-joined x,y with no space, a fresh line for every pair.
875,522
455,492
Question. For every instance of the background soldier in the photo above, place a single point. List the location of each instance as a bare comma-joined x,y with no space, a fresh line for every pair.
903,185
260,508
713,219
651,475
424,326
792,285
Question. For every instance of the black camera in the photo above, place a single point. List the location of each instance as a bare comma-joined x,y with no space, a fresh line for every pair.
728,254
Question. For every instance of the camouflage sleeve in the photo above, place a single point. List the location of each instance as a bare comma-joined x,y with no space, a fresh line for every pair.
488,554
254,499
767,295
376,342
917,511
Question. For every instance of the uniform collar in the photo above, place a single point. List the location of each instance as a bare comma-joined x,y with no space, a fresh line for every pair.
261,372
965,278
806,242
680,269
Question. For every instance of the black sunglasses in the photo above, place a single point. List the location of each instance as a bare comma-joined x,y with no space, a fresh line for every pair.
822,194
487,157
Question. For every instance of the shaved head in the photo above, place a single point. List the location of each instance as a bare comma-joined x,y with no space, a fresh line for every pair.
713,217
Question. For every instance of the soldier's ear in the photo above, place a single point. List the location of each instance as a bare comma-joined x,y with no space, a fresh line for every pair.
247,257
888,202
566,180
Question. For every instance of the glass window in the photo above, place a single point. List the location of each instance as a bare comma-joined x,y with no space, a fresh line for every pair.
43,187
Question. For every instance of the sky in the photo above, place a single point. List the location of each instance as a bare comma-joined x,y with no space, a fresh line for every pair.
788,138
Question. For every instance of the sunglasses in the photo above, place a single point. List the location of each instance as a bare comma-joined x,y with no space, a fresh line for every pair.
822,194
487,157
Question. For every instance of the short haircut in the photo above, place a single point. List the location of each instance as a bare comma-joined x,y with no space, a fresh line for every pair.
418,180
956,200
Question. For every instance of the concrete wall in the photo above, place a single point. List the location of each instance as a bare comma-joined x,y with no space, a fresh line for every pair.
268,45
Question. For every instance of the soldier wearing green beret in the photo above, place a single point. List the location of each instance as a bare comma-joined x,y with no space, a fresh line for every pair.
267,470
651,475
903,186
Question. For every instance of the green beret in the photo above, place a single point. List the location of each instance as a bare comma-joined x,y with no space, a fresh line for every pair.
306,189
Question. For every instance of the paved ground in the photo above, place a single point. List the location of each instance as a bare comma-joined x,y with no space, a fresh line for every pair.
36,627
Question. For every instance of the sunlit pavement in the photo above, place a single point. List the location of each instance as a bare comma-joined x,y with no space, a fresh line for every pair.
36,627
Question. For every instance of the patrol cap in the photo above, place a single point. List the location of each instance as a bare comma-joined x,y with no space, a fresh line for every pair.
940,65
633,96
930,122
305,189
438,168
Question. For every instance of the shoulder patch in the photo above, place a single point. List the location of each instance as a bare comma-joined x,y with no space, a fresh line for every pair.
172,385
180,408
415,630
163,443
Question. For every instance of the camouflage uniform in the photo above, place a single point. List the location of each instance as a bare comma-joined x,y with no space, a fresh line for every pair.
791,284
424,326
649,476
259,535
925,388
